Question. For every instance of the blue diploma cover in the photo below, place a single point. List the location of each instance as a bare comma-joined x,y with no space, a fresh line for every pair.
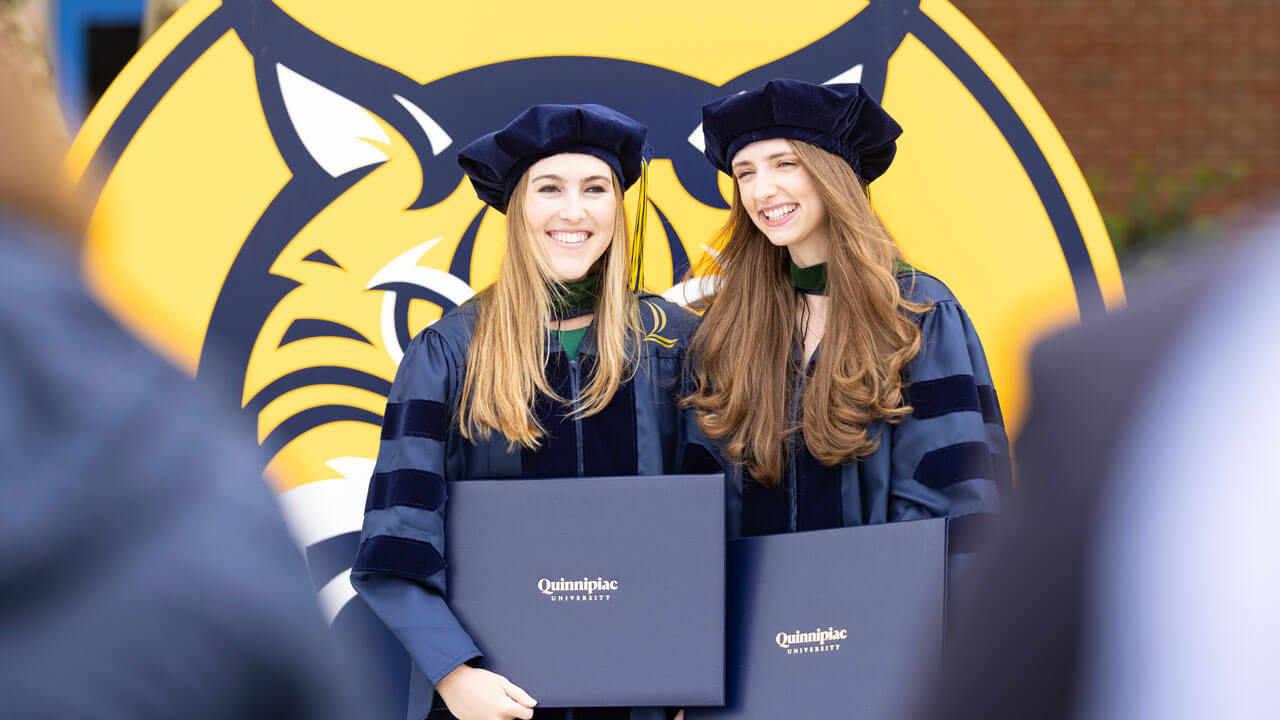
591,592
832,623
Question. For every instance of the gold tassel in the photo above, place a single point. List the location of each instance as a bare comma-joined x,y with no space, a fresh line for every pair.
637,233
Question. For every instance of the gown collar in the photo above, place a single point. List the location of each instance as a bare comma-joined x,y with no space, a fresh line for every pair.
575,298
810,280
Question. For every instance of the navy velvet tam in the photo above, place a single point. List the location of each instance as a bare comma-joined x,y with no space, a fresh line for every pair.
841,119
497,161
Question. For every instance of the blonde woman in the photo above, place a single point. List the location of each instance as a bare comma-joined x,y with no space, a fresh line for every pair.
558,369
866,396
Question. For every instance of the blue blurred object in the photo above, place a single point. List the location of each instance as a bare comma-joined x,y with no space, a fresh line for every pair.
1134,575
145,569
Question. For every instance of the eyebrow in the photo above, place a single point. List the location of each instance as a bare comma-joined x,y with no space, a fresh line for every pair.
774,156
557,178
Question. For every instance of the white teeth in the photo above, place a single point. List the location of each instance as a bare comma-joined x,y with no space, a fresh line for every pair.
780,212
569,238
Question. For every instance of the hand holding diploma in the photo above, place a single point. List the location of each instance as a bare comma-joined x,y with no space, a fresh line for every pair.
475,694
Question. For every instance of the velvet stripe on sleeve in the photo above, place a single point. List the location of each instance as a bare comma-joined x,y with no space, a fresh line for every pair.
401,560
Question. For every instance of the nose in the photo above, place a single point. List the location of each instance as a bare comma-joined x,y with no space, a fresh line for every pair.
572,209
763,188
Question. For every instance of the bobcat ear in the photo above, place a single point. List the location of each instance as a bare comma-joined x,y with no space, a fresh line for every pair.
336,132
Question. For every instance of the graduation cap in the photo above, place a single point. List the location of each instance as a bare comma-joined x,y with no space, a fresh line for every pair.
842,119
496,162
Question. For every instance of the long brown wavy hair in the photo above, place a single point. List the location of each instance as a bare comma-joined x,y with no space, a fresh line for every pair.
506,363
742,363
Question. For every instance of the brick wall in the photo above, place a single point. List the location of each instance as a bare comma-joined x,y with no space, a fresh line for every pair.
1182,87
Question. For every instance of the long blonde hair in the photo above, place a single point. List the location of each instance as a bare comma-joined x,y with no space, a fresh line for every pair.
745,401
506,363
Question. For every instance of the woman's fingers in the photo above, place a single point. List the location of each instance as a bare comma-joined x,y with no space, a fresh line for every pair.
514,709
516,693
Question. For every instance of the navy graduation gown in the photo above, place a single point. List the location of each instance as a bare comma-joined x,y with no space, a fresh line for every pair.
399,570
948,458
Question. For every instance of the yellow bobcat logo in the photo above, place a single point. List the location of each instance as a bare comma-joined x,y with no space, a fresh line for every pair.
283,208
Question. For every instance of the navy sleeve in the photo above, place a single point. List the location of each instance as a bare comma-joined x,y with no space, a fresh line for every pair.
399,569
951,456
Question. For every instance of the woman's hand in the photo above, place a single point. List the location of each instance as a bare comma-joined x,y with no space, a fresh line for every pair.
475,694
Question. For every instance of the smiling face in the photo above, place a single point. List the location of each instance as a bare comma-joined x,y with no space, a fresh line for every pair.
570,205
779,195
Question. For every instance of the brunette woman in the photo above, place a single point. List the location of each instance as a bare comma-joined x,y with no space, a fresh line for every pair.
842,386
557,369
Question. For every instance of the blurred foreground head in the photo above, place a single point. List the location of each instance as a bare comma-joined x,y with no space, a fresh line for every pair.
33,136
1135,575
145,571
